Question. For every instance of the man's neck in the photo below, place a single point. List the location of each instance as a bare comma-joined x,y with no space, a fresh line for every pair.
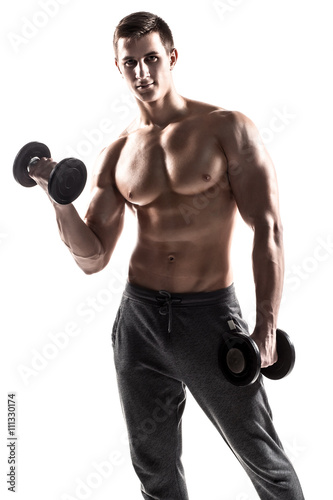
162,112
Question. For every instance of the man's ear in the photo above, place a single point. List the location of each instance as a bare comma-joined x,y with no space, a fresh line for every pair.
116,63
173,58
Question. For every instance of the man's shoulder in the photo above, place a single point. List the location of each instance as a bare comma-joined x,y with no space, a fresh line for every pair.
107,159
229,121
233,127
109,156
202,109
113,149
117,145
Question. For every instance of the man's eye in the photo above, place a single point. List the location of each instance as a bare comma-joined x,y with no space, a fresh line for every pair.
130,63
152,58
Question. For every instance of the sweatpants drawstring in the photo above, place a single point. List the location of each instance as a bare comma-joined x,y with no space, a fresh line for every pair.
166,301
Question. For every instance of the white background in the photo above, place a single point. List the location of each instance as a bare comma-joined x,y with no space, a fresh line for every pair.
59,86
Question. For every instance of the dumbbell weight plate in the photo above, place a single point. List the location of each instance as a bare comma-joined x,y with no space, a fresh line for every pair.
251,355
22,159
67,180
286,357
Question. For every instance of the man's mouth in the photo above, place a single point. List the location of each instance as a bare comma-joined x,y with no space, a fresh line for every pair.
145,86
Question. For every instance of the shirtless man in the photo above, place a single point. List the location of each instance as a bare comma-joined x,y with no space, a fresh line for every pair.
184,168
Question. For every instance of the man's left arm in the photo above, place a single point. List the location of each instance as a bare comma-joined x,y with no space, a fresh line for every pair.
253,182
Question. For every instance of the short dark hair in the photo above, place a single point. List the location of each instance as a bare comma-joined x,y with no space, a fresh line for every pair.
140,24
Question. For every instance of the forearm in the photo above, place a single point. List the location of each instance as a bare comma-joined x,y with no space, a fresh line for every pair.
268,270
82,242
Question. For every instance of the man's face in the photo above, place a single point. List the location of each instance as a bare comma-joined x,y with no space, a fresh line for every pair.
146,66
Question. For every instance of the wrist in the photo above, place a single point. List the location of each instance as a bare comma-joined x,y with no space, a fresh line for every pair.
263,332
61,209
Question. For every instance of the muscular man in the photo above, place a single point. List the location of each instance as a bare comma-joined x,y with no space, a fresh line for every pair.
184,168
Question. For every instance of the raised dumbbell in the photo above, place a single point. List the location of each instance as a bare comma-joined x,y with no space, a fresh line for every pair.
67,179
240,363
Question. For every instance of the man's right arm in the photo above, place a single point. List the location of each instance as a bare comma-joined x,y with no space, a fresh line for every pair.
91,241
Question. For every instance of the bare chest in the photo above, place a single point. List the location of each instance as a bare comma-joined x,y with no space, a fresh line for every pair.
180,160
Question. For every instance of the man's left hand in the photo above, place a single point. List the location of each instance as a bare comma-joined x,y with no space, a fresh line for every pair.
267,347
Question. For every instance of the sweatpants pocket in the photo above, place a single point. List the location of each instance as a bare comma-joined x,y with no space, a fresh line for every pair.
240,325
115,326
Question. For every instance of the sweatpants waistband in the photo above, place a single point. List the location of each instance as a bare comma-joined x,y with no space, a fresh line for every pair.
188,299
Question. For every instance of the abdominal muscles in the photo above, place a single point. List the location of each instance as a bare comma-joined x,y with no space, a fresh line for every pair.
183,244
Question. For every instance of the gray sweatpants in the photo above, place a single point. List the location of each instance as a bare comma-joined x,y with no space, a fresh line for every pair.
166,342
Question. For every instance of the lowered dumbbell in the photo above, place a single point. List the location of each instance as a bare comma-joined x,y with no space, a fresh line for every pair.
240,363
67,179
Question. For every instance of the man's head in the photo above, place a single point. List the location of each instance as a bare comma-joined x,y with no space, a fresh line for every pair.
140,24
145,55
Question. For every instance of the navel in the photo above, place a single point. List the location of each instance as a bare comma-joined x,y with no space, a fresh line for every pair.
171,258
206,177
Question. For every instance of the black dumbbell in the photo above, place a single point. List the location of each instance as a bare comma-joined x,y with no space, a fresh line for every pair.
67,179
240,363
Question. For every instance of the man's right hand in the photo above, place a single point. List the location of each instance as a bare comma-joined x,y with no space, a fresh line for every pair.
40,172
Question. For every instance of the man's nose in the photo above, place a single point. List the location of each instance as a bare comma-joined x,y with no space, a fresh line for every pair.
142,70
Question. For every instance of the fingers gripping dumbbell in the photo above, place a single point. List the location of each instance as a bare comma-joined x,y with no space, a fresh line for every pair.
67,179
240,363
